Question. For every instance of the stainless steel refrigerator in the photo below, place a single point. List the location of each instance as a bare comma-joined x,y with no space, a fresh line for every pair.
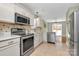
73,33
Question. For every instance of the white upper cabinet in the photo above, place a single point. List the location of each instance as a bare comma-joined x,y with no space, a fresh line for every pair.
37,39
37,22
32,22
19,10
7,12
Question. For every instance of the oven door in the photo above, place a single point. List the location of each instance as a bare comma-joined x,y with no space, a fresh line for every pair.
27,44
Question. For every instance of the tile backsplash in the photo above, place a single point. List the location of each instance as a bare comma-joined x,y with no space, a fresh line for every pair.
6,27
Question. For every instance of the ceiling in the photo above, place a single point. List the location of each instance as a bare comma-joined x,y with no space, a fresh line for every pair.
50,11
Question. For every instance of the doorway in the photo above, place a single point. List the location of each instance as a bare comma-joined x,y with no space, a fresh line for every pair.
57,28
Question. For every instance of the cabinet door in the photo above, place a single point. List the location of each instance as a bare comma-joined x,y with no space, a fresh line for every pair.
32,22
7,12
40,37
19,10
12,50
38,22
36,40
10,47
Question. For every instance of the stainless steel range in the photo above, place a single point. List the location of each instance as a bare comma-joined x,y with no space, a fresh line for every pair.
26,41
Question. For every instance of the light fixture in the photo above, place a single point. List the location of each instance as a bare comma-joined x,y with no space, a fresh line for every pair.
36,15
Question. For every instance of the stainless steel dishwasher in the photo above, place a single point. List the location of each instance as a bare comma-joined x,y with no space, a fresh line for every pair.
51,37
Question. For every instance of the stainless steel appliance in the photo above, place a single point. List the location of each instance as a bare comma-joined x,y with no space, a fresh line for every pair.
26,41
51,37
20,19
73,32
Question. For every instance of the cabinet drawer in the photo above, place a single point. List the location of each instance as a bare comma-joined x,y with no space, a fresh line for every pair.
12,50
9,42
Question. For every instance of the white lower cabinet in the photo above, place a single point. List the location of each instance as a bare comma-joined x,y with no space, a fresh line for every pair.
10,47
37,39
13,50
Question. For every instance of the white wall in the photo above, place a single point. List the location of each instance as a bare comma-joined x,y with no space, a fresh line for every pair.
44,36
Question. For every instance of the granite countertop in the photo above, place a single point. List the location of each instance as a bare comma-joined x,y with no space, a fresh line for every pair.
7,37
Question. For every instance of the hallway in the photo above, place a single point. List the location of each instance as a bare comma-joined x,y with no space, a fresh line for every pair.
47,49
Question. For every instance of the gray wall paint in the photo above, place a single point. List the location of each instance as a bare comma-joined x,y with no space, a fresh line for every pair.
49,27
63,27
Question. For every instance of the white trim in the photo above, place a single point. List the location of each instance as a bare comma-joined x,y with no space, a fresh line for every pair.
57,20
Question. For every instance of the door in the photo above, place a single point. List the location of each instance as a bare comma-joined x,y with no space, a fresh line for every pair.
57,28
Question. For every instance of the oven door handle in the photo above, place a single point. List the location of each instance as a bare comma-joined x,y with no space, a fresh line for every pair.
27,37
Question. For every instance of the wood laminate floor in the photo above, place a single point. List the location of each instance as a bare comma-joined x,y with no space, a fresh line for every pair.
47,49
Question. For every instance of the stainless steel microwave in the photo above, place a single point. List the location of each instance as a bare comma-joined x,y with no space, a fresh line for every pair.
20,19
